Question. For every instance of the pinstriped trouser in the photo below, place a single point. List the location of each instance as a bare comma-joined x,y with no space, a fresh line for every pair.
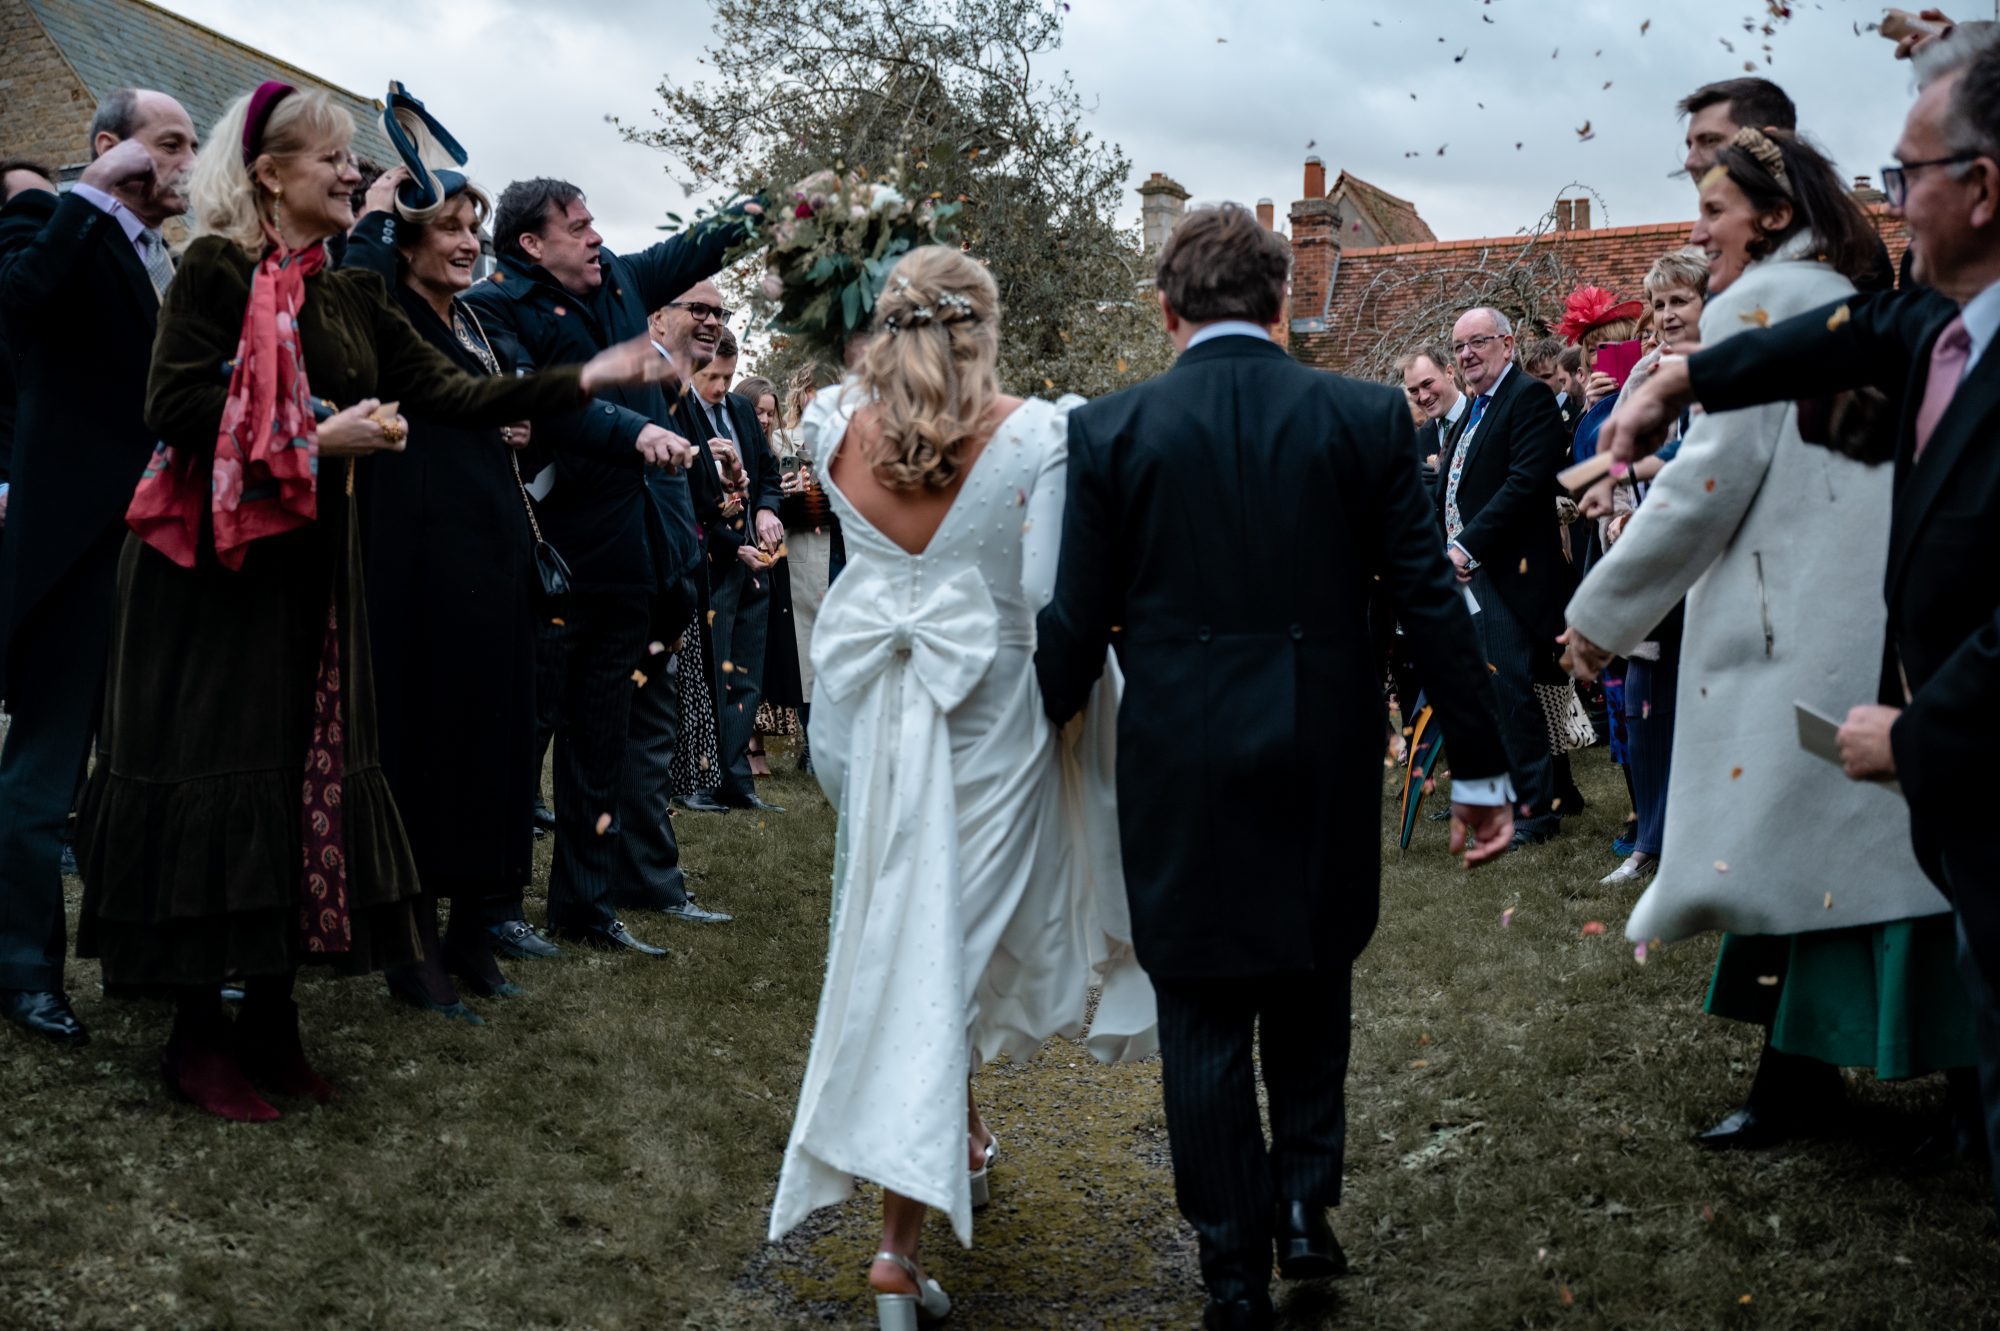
1227,1182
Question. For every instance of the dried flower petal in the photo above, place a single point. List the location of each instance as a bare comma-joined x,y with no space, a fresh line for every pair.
1768,981
1506,917
1735,774
1722,866
1759,316
1593,928
639,678
603,823
1837,318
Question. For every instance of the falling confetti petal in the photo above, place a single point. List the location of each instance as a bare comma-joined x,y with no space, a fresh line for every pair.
1735,774
1506,917
655,648
1524,566
728,668
603,823
1722,866
1593,928
639,678
1829,901
1837,318
1759,316
1585,134
1639,954
558,622
1423,1039
1708,1214
1568,1299
1555,804
1642,27
1709,485
1744,1300
1416,1063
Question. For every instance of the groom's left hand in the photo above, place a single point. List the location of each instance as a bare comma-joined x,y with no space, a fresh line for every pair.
1483,831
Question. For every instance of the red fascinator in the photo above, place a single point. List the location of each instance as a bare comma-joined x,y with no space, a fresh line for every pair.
1593,307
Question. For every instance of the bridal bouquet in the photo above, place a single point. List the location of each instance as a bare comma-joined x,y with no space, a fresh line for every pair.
829,244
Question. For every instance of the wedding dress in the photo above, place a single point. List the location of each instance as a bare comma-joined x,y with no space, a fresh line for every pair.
977,889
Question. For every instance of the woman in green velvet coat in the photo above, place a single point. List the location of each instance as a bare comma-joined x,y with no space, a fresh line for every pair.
237,822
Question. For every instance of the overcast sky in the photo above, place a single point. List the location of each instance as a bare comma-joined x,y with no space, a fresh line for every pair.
1226,98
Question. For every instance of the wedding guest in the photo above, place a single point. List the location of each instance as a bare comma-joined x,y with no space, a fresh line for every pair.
784,691
448,536
1543,361
80,284
1432,388
1935,726
742,562
17,176
1497,510
1676,287
1772,544
1268,676
810,529
199,860
560,296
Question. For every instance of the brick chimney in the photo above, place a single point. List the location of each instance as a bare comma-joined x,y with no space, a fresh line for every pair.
1315,178
1161,200
1267,214
1315,251
1572,214
1865,192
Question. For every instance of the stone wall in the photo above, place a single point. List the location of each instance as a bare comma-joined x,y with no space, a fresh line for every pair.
44,108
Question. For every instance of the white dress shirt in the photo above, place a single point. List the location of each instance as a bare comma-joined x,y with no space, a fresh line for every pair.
1229,328
128,221
1982,324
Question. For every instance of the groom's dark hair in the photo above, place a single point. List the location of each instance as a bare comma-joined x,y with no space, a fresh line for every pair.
1222,263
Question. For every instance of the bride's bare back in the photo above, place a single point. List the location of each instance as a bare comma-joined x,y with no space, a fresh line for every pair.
910,518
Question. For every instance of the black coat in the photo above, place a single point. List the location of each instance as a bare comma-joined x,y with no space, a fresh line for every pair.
79,311
447,555
1225,525
617,528
1507,498
725,536
1941,661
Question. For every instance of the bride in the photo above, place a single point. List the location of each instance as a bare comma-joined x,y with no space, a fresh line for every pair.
976,880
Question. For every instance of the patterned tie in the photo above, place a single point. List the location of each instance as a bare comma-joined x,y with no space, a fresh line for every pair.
159,266
1948,356
1453,525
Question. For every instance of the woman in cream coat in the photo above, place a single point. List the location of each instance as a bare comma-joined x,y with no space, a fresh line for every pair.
1836,942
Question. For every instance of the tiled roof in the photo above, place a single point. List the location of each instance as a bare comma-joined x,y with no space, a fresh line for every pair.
132,44
1395,219
1380,292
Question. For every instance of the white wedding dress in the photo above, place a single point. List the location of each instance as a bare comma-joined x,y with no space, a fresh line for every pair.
976,885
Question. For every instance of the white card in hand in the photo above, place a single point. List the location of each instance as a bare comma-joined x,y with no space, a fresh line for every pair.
545,481
1471,601
1819,735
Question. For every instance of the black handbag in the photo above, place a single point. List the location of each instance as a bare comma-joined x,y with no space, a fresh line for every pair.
552,574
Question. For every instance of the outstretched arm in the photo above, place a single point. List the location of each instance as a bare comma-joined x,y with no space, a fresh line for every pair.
1075,626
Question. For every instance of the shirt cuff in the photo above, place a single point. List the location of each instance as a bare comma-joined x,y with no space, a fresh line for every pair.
96,198
1488,791
1470,562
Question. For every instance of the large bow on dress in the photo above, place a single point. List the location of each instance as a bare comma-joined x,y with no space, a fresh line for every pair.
950,637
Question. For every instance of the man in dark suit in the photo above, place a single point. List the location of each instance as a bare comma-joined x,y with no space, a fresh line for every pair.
1225,525
741,546
1935,727
559,297
80,284
1497,505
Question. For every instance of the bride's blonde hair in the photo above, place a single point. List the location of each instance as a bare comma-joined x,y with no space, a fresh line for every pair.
225,198
929,369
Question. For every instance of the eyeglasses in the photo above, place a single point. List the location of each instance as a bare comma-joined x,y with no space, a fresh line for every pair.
1475,343
702,310
1896,179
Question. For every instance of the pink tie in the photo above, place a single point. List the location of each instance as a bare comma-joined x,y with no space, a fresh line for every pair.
1948,357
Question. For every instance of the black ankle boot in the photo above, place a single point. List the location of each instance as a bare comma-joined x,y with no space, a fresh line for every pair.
1789,1094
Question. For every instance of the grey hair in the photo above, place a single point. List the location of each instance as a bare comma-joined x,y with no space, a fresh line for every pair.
117,115
1501,323
1972,114
1933,60
1686,267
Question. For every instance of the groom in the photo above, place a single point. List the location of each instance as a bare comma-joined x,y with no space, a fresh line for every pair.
1225,525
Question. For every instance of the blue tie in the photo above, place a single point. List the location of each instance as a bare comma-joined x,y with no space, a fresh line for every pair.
1478,410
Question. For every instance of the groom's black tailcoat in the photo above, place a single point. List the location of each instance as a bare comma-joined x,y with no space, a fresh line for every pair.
1225,526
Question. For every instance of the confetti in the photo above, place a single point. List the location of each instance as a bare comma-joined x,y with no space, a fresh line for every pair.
558,622
1593,928
1568,1299
1644,26
1524,566
1768,981
655,648
1020,498
1555,804
711,616
1759,316
1708,1214
1837,318
639,678
1122,365
1639,954
1585,134
1417,1063
1735,774
728,668
1744,1301
603,823
1506,917
1709,485
1423,1038
1494,668
1829,902
1722,866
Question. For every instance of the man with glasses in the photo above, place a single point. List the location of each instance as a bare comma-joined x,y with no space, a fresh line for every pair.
1496,503
627,534
1936,725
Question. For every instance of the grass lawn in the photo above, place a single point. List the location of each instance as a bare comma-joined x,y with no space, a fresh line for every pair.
602,1154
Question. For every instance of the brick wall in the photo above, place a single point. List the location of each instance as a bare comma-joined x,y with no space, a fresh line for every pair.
1380,293
44,108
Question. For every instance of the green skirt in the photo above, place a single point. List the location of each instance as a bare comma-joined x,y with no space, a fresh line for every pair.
1882,996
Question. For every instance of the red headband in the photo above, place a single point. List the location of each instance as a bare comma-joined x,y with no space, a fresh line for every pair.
262,102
